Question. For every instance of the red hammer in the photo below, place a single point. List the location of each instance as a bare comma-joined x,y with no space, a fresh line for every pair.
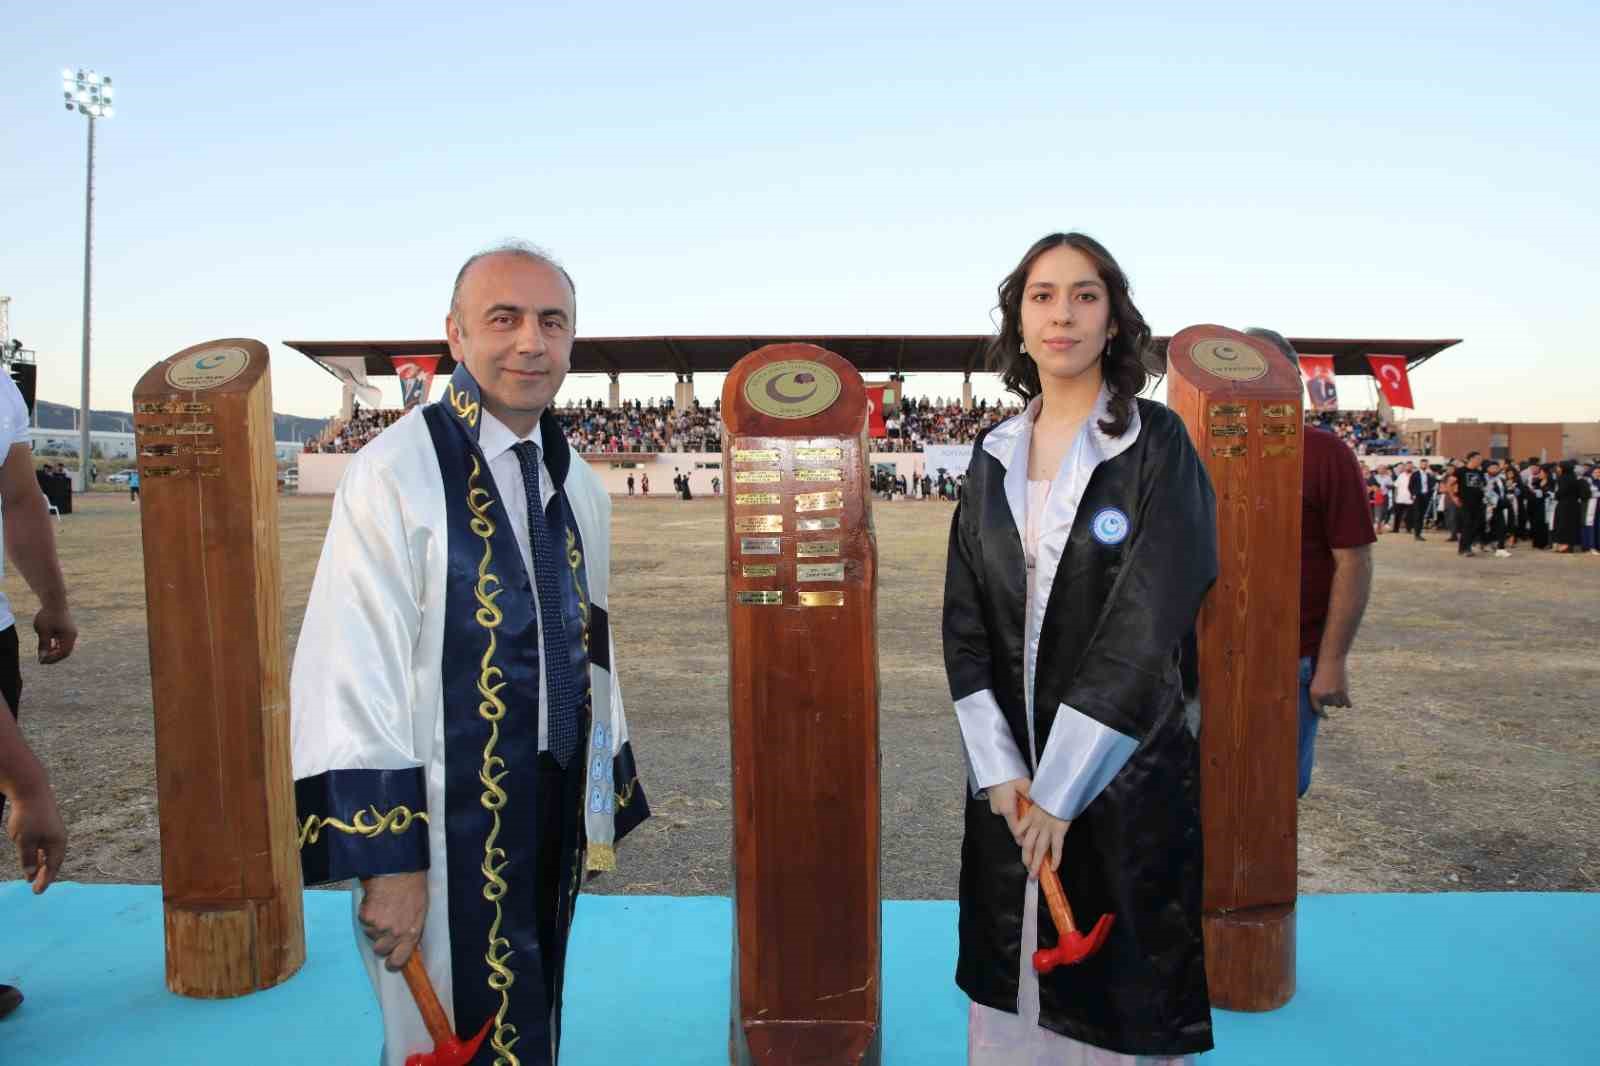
447,1050
1073,947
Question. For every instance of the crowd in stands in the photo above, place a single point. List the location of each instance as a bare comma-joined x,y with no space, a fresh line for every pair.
592,427
635,427
924,421
1362,430
348,435
1491,505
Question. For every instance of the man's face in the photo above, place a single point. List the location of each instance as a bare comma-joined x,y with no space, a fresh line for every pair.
512,329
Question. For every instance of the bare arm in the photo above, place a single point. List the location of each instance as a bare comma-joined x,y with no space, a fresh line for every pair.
34,823
1347,602
31,545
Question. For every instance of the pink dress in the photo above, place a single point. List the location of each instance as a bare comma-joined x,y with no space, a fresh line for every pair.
1000,1038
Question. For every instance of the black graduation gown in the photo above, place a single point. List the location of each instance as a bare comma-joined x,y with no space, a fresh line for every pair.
1569,510
1108,646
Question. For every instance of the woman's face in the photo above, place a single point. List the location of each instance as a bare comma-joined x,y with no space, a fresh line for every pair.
1066,314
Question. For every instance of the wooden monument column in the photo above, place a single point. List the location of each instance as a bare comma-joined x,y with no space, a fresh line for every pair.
230,869
803,702
1240,399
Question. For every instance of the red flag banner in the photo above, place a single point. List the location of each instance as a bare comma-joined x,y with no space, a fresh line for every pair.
1320,387
876,399
416,377
1390,370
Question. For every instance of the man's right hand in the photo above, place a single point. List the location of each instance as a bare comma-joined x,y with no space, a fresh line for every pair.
392,913
1003,801
35,826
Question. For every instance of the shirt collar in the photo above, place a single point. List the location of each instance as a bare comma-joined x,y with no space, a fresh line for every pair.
495,437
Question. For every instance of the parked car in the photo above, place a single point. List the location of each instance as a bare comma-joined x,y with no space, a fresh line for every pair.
120,477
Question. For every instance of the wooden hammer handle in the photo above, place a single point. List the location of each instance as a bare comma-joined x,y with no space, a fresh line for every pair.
1050,881
427,1000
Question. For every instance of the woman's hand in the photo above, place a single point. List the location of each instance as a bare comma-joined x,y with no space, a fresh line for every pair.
1003,801
1042,837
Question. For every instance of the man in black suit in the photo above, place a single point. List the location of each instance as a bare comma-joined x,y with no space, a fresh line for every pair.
1422,488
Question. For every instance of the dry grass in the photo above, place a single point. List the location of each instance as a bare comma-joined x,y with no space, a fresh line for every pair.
1470,761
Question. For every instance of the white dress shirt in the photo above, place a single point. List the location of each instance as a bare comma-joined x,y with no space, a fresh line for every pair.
499,448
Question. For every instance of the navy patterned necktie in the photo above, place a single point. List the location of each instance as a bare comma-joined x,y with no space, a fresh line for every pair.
561,686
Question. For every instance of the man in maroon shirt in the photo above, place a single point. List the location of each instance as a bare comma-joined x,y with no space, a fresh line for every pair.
1335,571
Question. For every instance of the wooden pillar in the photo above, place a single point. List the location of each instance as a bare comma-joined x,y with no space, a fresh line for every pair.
803,708
230,870
1240,399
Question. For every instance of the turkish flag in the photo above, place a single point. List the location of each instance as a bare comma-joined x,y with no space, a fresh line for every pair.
875,402
1320,386
416,377
1390,370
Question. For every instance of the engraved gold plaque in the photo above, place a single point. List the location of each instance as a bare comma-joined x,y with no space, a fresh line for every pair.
1229,429
757,455
815,525
818,473
751,499
792,388
209,368
202,449
758,523
194,429
760,546
819,501
819,572
1227,410
167,407
1231,360
1277,449
822,599
760,598
1277,410
159,429
163,471
1281,429
757,477
209,471
157,450
760,570
1228,451
818,455
810,549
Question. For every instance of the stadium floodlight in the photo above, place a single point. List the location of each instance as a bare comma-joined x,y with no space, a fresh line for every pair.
89,94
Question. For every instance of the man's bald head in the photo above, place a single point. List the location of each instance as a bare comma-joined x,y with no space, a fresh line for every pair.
519,249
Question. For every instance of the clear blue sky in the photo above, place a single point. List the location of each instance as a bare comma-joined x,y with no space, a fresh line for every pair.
294,171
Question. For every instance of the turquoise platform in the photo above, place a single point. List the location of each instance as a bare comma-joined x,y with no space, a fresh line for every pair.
1459,980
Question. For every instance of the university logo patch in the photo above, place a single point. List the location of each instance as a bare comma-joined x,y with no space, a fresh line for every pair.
1110,526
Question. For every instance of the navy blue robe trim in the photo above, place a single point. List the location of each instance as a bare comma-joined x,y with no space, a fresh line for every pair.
362,823
491,697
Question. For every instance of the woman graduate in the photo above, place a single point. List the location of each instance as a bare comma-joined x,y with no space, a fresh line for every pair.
1082,546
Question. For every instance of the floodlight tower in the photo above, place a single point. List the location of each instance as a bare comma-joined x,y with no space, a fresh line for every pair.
90,95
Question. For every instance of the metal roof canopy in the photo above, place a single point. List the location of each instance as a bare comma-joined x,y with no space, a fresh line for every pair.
903,354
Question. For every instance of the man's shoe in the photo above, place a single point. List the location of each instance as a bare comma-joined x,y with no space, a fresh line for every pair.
1501,553
10,999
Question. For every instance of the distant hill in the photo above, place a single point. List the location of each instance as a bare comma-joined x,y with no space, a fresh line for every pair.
60,416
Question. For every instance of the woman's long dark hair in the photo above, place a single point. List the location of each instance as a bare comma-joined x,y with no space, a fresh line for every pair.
1122,366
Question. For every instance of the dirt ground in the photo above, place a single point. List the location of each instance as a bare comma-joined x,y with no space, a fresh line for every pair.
1470,761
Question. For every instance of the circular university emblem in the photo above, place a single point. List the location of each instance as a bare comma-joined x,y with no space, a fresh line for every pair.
794,388
1229,359
209,368
1110,526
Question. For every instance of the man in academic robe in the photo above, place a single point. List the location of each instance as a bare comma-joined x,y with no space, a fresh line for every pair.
458,735
1422,486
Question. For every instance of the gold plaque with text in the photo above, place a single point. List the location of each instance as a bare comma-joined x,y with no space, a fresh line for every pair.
818,473
811,549
1229,429
758,523
1274,450
762,598
1228,451
1227,410
818,455
754,499
819,572
822,599
819,501
815,525
760,570
757,477
1278,410
757,455
1281,429
760,546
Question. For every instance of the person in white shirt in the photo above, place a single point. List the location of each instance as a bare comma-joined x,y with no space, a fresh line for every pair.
30,543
